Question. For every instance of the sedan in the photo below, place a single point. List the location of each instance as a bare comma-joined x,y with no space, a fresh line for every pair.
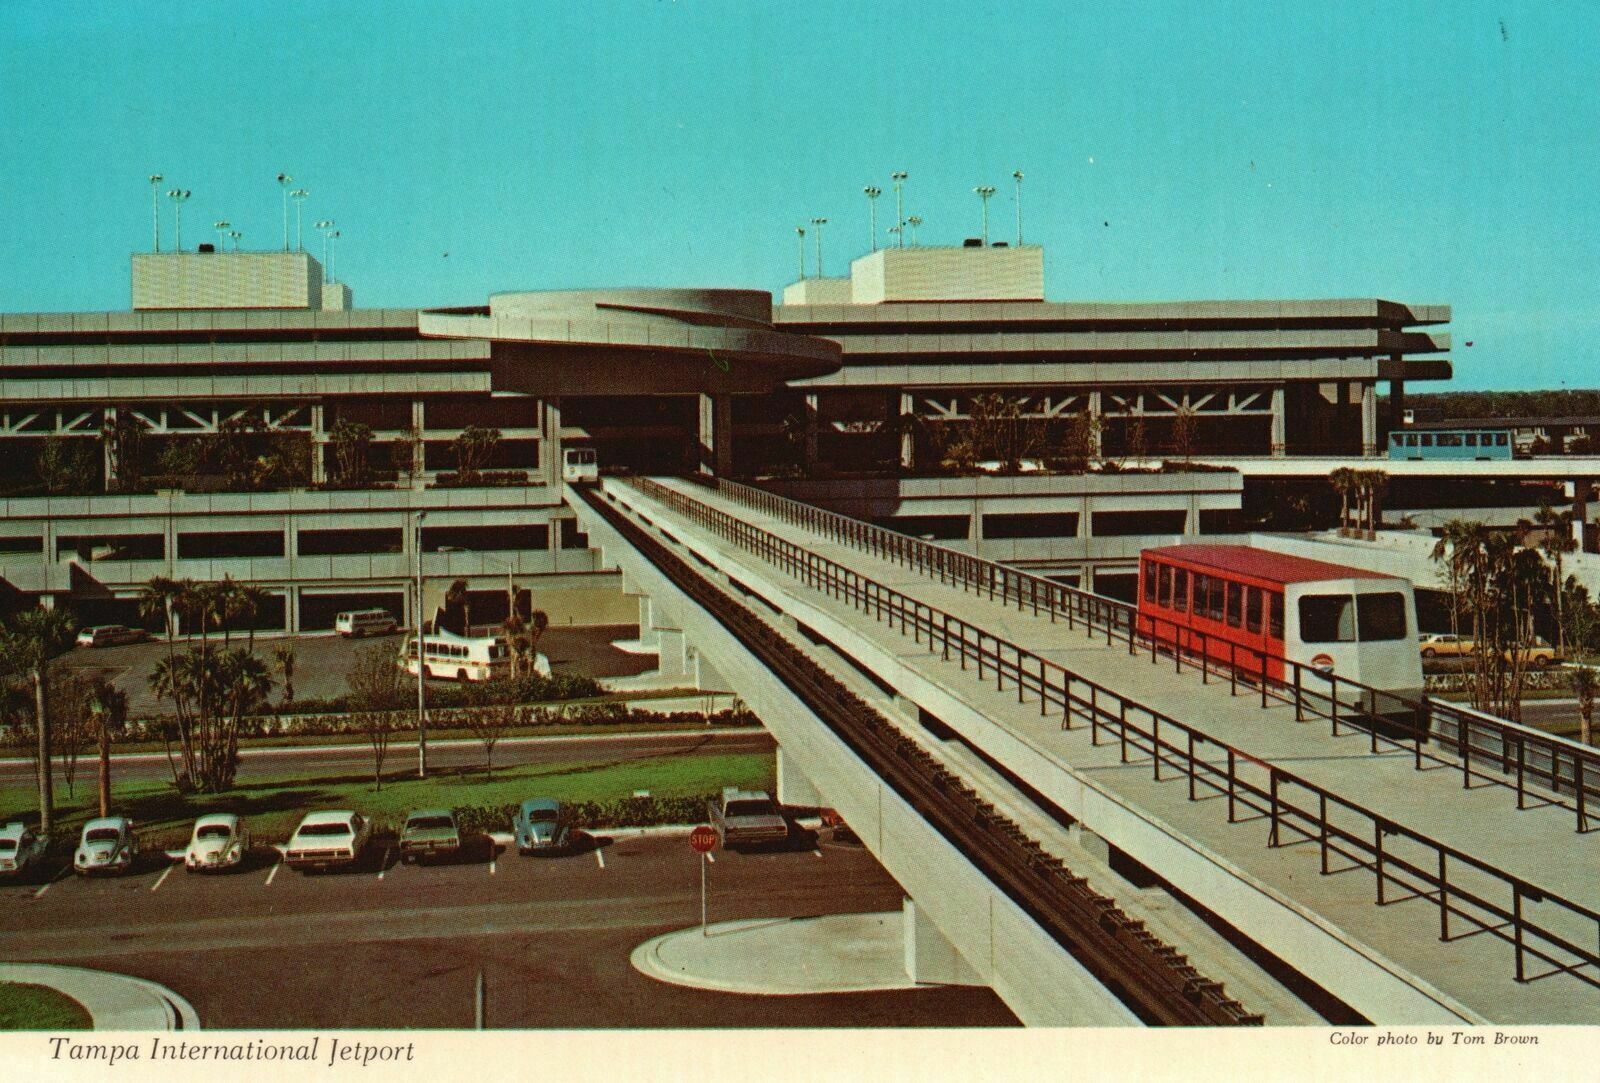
21,847
108,846
326,840
219,842
429,833
542,825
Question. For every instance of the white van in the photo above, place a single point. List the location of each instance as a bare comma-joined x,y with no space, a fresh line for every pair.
365,622
580,466
451,656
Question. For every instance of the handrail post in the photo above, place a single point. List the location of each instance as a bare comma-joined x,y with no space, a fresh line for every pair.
1444,898
1155,744
1522,763
1516,928
1191,765
1233,774
1299,702
1272,836
1233,668
1377,847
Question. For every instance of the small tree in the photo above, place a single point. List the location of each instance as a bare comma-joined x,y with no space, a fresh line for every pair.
283,660
1583,686
1138,438
377,692
66,465
352,443
1081,444
28,642
492,711
474,448
1185,427
124,443
179,459
70,725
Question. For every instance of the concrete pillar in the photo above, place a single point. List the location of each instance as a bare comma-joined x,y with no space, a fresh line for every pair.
319,468
1397,396
419,421
1369,418
647,631
1581,489
794,788
674,660
813,424
707,678
930,958
1097,422
716,435
107,427
550,441
908,442
1279,440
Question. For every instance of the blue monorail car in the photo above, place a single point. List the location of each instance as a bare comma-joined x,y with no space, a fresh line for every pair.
1469,445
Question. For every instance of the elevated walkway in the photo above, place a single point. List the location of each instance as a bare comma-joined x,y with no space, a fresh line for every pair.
1351,893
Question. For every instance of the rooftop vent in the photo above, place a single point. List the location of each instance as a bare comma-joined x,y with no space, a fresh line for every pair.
207,247
972,242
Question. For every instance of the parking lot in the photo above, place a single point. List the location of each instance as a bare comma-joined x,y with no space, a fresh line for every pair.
391,945
323,661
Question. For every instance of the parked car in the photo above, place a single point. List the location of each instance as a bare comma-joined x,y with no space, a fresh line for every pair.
365,622
429,833
542,825
107,846
219,842
1538,654
326,840
21,847
108,635
747,818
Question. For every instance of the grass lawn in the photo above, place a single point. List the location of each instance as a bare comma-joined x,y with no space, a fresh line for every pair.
33,1007
274,805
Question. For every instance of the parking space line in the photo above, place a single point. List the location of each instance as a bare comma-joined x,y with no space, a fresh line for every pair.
816,853
62,875
276,865
492,864
384,866
162,878
600,857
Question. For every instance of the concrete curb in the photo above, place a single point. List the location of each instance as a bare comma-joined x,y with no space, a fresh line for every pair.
113,1001
697,961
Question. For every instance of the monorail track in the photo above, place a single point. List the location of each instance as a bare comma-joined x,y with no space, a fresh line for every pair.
1156,982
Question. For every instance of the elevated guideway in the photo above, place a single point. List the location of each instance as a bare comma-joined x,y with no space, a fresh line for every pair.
1429,868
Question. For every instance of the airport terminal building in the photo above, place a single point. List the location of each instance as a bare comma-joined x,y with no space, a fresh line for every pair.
245,418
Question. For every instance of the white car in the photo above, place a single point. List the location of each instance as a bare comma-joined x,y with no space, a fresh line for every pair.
219,842
20,848
107,847
326,840
108,635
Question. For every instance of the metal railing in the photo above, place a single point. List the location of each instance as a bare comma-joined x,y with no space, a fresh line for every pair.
1484,748
1540,924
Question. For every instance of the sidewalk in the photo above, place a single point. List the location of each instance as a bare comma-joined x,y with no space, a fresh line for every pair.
113,1001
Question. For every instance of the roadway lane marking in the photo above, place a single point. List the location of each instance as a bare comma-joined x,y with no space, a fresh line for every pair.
816,853
62,875
711,858
492,864
600,857
162,878
275,867
384,867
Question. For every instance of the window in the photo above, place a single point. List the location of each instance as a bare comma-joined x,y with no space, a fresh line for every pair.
1114,524
1449,439
1427,439
1180,590
1472,439
1328,618
1165,577
1200,585
1216,595
1235,602
1032,525
1275,616
1149,586
1381,617
1252,610
1499,439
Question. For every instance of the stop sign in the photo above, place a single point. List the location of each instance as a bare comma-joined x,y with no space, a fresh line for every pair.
703,839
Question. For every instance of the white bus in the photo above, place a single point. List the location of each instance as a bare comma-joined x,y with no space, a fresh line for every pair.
365,622
454,657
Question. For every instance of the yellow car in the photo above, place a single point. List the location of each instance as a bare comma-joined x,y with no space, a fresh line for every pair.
1540,654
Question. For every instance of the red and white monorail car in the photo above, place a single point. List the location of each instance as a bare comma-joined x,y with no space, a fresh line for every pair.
1253,607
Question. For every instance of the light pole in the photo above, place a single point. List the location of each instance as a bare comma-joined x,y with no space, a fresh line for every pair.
800,232
511,585
299,197
1017,176
422,703
235,234
872,209
222,234
984,192
333,254
913,222
896,230
284,180
819,223
178,196
322,227
155,209
899,206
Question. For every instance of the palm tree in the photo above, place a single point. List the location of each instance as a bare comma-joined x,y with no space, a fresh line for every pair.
28,642
1373,483
108,710
283,658
1584,686
1343,481
1557,543
251,601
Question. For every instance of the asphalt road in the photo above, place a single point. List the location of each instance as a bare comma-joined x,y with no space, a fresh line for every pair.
341,760
391,946
322,661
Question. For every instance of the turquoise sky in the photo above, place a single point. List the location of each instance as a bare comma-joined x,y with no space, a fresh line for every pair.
1419,151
